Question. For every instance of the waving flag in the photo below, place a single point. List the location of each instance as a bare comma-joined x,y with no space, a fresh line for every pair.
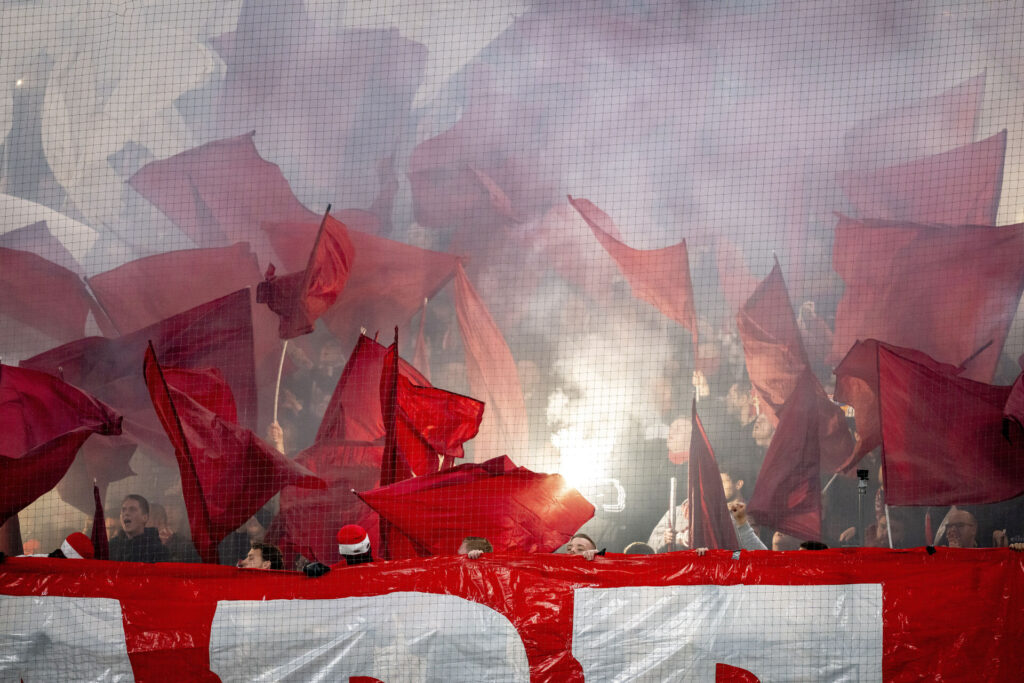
710,520
227,473
514,508
661,277
948,291
43,423
300,298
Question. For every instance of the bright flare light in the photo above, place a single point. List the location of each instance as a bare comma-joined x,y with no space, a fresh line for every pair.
583,458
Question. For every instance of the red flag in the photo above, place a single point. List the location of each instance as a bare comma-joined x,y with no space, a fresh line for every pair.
354,412
227,473
220,193
300,298
733,674
734,276
393,467
492,375
958,187
216,334
857,386
788,493
37,238
661,277
388,282
776,362
942,440
43,423
710,520
514,508
43,295
928,125
100,544
308,520
946,291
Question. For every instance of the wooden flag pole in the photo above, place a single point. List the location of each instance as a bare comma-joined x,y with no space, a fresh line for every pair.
280,369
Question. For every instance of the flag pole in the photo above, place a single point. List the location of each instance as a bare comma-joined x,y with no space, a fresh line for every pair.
672,512
829,483
280,369
888,525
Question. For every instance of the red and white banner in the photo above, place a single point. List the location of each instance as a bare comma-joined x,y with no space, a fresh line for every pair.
838,615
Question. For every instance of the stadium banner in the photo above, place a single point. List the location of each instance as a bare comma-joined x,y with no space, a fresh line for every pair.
835,615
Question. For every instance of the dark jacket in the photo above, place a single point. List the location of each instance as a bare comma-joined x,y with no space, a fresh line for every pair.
146,547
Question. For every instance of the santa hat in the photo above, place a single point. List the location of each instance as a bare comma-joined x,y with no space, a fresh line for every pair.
353,540
77,546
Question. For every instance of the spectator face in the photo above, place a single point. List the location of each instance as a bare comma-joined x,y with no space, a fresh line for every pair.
254,560
463,550
731,487
132,520
962,530
781,541
578,546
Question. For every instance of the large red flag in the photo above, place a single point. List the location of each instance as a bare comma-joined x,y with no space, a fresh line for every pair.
710,520
220,193
958,187
857,386
216,334
947,291
776,362
388,282
43,295
227,473
661,277
512,507
393,467
492,375
300,298
924,126
788,492
43,423
100,542
942,439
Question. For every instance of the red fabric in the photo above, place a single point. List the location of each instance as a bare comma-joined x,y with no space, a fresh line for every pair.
958,187
354,412
43,295
946,291
43,423
309,519
776,362
928,125
388,282
661,277
942,440
512,507
569,248
857,386
145,291
1014,408
394,467
37,238
227,474
433,422
709,516
300,298
788,493
168,610
220,193
733,674
216,334
100,542
492,376
735,280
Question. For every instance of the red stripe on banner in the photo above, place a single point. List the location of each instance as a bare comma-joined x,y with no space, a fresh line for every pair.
944,616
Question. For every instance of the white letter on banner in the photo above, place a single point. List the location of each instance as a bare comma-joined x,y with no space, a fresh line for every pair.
50,638
393,637
777,633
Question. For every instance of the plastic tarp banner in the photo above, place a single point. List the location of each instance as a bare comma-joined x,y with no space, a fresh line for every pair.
836,615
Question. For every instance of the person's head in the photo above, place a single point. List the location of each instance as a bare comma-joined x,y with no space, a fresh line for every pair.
354,544
961,529
134,515
579,544
781,541
882,528
475,543
813,545
639,548
262,556
733,487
